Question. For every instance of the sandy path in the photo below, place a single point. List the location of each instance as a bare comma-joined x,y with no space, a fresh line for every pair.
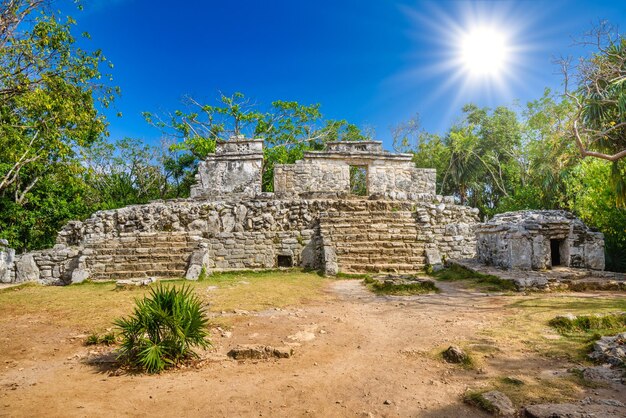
371,356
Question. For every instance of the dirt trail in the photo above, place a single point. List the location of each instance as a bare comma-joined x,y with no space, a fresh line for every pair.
371,356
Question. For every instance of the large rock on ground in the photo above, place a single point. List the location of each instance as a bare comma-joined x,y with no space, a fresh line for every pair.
605,408
455,354
610,350
499,403
259,352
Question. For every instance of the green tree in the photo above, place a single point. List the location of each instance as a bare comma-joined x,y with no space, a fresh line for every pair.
50,93
125,172
546,157
599,123
592,198
288,128
478,159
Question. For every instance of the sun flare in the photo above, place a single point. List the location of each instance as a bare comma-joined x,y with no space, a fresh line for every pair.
483,51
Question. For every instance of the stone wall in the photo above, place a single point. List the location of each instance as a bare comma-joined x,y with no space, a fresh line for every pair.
7,258
253,233
523,240
329,176
234,169
311,221
389,175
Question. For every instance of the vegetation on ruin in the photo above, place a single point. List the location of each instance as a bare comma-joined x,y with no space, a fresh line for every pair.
481,281
387,287
593,325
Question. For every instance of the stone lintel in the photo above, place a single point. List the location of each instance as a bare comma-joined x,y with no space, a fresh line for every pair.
346,156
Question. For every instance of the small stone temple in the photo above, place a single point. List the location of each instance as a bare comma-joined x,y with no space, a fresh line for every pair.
352,207
537,240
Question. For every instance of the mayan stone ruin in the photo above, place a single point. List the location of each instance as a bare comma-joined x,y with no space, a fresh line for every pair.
538,240
352,208
312,220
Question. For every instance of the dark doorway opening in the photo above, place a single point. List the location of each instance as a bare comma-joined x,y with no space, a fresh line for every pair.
285,261
555,251
358,180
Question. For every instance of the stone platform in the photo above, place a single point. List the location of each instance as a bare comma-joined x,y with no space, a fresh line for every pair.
557,278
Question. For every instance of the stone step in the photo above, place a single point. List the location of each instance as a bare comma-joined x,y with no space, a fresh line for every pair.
151,244
143,265
357,240
344,220
380,268
142,252
375,246
399,213
120,275
388,259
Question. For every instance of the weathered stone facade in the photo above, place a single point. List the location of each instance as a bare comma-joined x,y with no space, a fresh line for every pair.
326,172
234,169
310,221
539,240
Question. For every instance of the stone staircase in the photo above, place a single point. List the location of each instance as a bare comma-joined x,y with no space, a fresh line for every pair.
140,255
374,240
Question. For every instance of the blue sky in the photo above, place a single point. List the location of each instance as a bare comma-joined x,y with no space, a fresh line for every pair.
374,63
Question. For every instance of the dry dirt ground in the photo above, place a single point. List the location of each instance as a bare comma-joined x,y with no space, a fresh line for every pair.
356,354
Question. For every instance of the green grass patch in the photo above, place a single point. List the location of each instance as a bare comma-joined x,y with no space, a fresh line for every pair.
401,289
531,390
509,380
528,318
476,399
479,280
578,377
105,339
606,324
358,276
93,306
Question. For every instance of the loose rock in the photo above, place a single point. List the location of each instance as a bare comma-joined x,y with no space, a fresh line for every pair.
500,403
455,354
605,408
259,352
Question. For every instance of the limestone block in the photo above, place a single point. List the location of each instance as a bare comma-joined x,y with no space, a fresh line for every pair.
26,269
520,253
80,275
433,259
594,255
7,258
330,261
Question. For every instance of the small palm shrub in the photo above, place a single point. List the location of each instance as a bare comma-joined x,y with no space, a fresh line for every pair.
164,327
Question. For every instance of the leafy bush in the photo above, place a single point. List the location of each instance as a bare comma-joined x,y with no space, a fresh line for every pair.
92,339
106,339
164,327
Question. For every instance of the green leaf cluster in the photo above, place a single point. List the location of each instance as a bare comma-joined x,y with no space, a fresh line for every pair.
163,330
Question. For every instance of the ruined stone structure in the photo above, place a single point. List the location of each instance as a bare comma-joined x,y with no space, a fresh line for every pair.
539,240
327,173
311,220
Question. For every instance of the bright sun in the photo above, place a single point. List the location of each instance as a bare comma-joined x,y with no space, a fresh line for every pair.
484,51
